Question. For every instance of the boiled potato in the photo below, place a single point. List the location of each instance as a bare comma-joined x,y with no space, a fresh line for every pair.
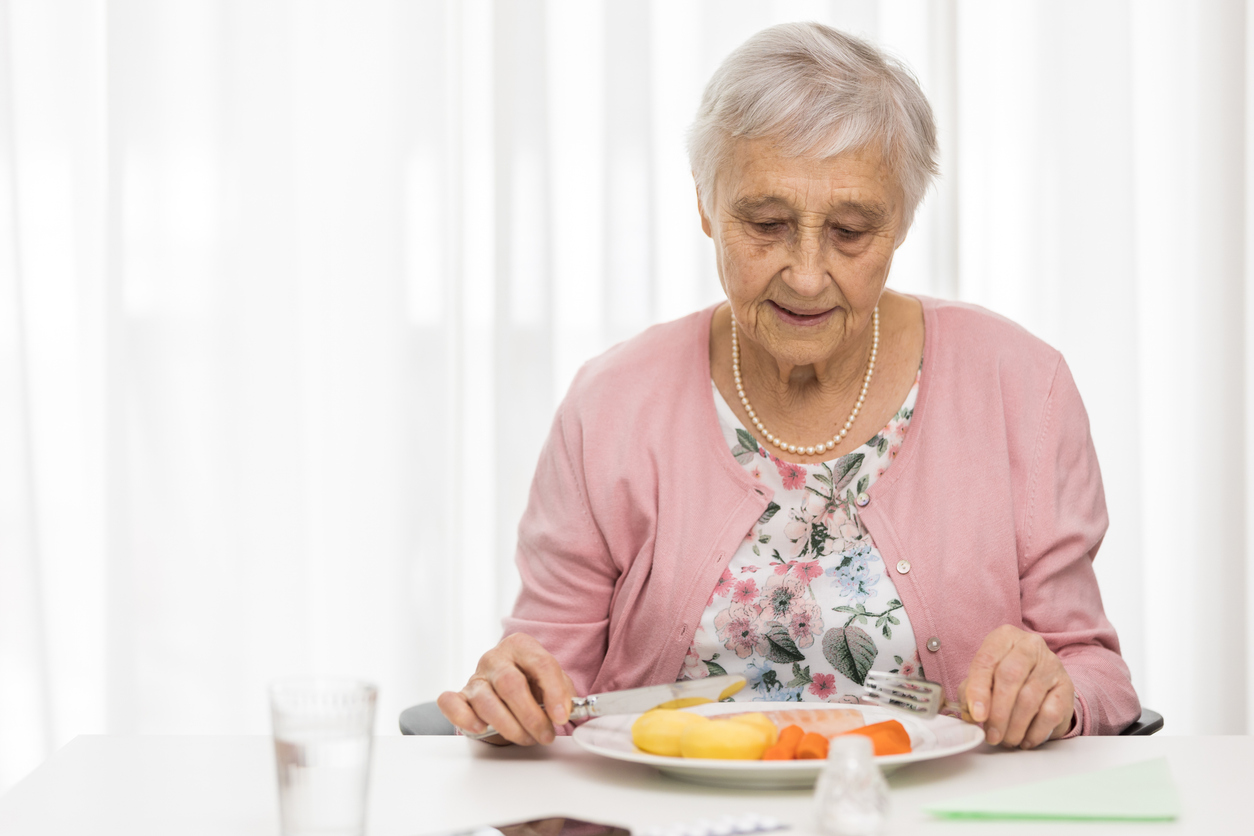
723,739
760,721
657,732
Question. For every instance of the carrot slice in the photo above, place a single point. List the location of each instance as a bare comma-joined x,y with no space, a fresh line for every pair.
813,746
887,738
785,749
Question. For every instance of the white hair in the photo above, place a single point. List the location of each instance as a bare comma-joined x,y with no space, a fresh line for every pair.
816,92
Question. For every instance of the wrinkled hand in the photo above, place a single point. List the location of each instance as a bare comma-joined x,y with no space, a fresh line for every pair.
1018,688
506,691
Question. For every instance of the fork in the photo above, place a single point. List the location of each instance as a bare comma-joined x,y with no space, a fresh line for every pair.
921,697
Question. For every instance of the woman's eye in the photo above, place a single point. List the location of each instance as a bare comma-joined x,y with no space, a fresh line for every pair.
846,234
768,227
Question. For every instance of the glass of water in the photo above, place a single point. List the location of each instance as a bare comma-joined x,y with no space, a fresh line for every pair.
323,730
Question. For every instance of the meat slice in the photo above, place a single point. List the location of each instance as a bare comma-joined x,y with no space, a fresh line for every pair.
828,722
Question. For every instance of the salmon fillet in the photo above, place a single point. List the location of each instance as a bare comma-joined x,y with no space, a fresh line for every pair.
827,722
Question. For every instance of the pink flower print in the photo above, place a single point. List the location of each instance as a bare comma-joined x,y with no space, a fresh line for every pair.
781,595
897,433
694,668
798,534
750,569
737,628
783,568
814,510
808,570
724,584
794,475
910,667
757,474
746,591
806,622
849,532
823,686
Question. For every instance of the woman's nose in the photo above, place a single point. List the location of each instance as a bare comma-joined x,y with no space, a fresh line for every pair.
807,272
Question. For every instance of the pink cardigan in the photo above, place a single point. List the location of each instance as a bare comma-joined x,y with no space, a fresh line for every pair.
995,500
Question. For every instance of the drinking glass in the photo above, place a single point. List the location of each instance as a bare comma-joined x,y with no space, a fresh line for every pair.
323,730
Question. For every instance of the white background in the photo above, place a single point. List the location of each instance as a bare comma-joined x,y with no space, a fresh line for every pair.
289,291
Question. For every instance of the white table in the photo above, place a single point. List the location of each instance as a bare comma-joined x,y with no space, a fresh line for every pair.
225,785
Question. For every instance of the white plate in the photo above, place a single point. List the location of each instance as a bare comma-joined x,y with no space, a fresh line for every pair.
936,738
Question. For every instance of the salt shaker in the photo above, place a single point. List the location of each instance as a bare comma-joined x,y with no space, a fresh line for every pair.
851,796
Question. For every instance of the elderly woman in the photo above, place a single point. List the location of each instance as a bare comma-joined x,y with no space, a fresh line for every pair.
820,476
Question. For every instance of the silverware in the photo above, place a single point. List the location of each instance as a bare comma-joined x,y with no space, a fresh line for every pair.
638,700
921,697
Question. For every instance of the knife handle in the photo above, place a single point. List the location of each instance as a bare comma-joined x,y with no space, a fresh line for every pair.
581,708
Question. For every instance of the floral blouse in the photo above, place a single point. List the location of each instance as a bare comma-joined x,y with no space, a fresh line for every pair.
804,608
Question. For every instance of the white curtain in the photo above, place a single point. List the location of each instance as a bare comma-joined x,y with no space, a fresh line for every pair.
289,291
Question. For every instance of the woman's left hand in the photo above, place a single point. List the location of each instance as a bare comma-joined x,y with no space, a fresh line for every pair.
1018,688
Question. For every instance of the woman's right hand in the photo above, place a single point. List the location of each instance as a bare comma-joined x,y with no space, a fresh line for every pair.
518,688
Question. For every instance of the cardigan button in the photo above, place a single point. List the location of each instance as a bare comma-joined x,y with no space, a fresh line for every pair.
862,500
933,644
903,566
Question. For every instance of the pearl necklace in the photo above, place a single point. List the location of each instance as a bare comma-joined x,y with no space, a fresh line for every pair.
818,448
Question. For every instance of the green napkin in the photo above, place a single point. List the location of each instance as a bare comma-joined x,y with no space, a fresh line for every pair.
1136,792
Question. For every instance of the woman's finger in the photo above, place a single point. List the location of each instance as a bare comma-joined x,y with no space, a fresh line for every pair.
513,687
1011,673
550,684
1018,688
963,704
457,711
490,706
979,691
524,675
1029,702
1054,711
506,692
544,683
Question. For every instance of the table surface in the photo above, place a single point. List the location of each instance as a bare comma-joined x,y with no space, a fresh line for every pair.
419,785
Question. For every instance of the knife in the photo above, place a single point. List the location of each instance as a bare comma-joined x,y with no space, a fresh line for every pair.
639,700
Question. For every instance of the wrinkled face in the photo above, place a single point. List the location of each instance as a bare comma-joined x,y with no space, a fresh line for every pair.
804,246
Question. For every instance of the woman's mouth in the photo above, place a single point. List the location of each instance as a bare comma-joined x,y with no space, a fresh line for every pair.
801,317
